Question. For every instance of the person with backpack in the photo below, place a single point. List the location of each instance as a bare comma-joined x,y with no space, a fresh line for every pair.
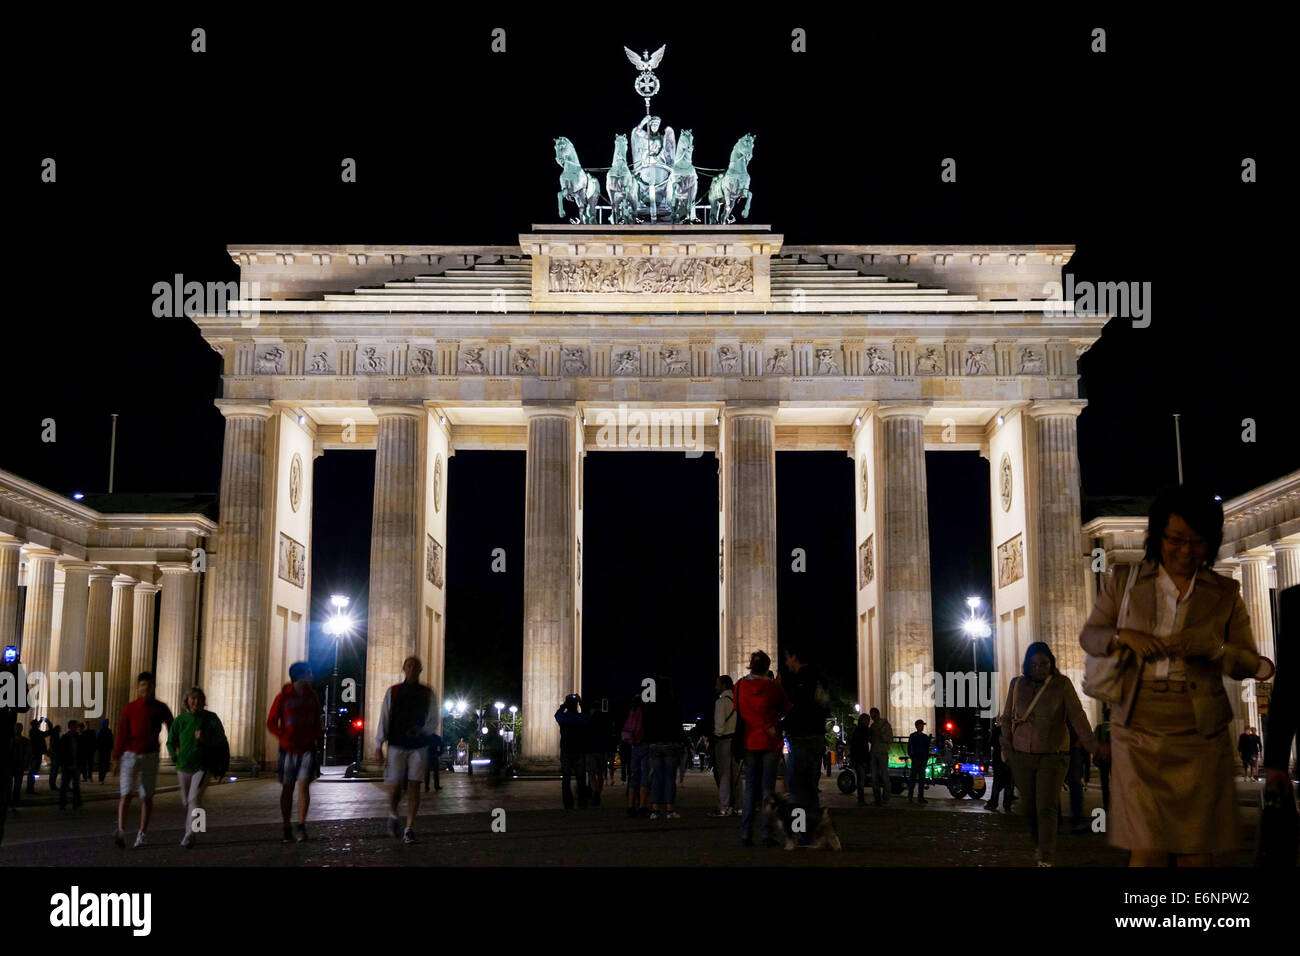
198,747
408,719
638,771
725,770
573,723
664,734
761,702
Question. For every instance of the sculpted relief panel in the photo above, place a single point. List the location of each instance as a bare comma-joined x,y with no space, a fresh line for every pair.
719,275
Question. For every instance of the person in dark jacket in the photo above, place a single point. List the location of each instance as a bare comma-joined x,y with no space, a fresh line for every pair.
667,739
52,747
11,747
1284,703
918,752
573,743
805,727
860,754
435,756
21,758
86,751
69,758
103,748
39,746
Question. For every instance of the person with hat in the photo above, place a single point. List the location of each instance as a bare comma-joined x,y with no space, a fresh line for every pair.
295,719
918,751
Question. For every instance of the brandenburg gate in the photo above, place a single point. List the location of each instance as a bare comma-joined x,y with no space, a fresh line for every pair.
746,345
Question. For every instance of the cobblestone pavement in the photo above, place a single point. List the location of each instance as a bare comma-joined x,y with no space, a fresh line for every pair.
347,827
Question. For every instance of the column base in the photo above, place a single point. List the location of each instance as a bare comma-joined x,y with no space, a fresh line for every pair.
543,765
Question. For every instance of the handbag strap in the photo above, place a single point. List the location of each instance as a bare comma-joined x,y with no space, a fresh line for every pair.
1120,618
1025,716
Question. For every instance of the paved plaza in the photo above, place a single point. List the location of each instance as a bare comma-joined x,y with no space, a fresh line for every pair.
346,827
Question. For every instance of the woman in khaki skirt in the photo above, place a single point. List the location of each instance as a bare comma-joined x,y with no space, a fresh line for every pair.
1182,628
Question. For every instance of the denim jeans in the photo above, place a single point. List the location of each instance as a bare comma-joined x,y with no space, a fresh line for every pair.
638,766
805,767
760,783
571,766
880,785
663,772
916,776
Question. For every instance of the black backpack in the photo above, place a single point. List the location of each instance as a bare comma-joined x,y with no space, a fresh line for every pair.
216,757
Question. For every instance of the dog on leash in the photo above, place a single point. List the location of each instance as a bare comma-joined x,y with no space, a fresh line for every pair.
783,812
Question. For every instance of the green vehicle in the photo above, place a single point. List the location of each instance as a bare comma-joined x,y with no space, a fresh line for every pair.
962,777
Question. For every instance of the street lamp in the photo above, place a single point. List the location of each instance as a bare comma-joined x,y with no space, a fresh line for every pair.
339,625
975,628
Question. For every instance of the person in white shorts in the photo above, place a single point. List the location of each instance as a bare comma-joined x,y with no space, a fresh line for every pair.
136,755
408,718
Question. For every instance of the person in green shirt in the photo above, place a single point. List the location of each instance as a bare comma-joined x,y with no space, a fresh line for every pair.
197,743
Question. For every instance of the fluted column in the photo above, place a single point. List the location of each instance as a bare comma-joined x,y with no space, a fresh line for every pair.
10,558
1056,546
396,553
99,607
71,647
1287,556
121,681
142,627
750,548
38,618
234,653
1254,593
549,554
907,632
176,634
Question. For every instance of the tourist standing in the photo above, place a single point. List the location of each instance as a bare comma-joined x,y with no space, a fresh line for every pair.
761,702
805,728
295,719
1102,733
435,757
860,755
20,753
70,764
198,747
37,754
638,760
52,748
882,738
104,748
408,718
1002,783
918,753
596,749
135,756
1184,629
86,751
664,734
1249,747
573,742
725,769
1040,704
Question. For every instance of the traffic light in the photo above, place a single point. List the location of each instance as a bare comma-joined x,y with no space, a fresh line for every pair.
948,726
355,728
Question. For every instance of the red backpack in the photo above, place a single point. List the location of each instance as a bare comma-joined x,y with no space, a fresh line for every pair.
633,730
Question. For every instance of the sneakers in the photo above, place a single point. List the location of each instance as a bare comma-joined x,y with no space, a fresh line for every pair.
394,826
139,840
119,839
300,833
409,836
673,815
288,835
654,814
719,813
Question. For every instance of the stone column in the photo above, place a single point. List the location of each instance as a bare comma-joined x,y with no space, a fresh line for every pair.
142,629
72,640
903,555
176,635
549,554
99,606
1254,593
1287,555
234,653
121,681
38,619
1056,544
750,545
10,557
396,554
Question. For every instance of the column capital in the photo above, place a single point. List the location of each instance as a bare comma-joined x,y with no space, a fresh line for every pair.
175,567
1256,556
147,587
233,408
101,574
749,410
1287,544
385,407
9,542
73,567
37,551
124,581
887,410
1057,407
550,410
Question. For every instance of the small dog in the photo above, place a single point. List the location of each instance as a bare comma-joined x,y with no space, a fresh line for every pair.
782,810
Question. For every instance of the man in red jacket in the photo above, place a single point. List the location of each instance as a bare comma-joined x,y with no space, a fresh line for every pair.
136,754
761,702
295,719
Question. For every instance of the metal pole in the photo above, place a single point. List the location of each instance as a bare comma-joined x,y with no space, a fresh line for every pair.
1178,446
112,454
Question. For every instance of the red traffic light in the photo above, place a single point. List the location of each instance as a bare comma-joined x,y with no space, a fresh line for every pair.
357,724
948,725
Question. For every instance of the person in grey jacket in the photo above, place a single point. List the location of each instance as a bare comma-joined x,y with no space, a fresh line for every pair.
726,771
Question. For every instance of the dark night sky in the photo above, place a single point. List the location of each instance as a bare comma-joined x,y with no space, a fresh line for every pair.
164,157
